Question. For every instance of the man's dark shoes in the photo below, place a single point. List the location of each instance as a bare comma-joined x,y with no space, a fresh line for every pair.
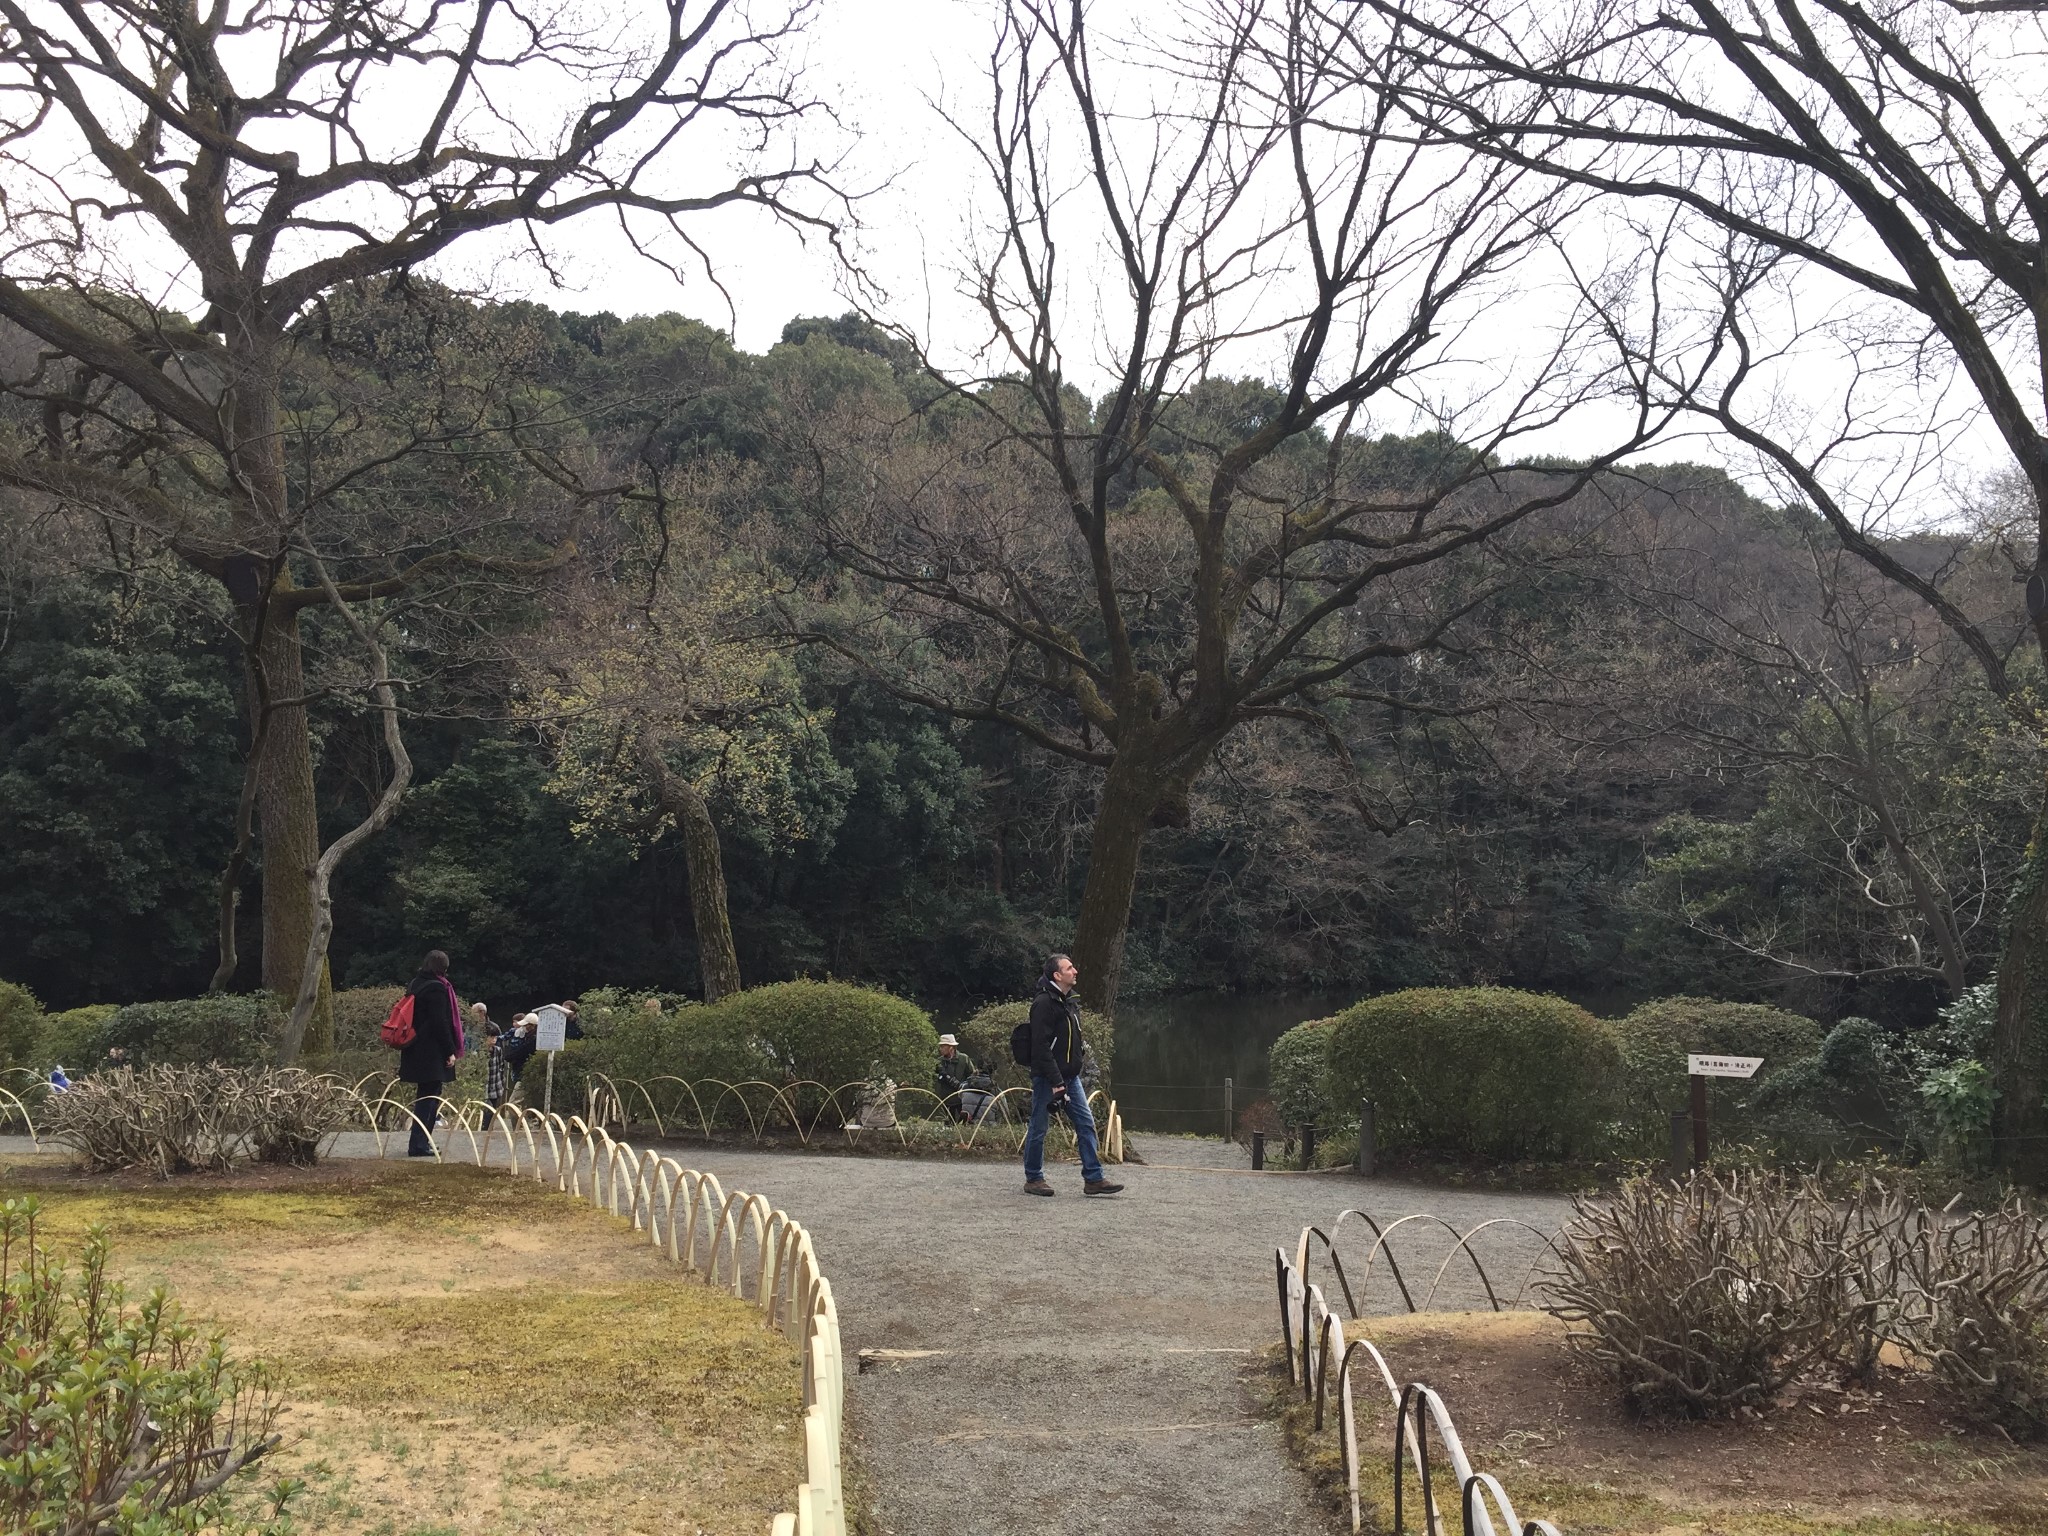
1101,1187
1037,1187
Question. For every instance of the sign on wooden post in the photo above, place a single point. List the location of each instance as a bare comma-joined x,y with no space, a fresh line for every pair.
1699,1066
550,1034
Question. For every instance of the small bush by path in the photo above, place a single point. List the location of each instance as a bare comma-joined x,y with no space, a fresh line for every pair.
463,1352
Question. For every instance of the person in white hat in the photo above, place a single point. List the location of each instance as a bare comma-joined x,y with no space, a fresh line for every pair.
950,1080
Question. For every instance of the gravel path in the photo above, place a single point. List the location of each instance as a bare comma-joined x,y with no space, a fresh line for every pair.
1090,1355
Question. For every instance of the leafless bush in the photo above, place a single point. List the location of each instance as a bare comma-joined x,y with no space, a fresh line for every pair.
1708,1297
181,1119
1699,1299
289,1113
1983,1323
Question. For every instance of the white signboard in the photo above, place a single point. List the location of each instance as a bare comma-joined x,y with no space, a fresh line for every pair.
1722,1066
551,1030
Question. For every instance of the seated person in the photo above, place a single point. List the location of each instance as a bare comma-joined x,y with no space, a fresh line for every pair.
957,1083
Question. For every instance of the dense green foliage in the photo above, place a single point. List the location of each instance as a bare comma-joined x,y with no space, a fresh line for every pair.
1480,1071
359,1013
1299,1073
119,766
830,1032
941,858
21,1027
234,1031
1656,1038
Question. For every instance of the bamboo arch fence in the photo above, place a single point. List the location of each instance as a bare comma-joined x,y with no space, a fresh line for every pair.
1324,1350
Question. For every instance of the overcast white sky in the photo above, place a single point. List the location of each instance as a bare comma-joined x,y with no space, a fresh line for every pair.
878,62
881,63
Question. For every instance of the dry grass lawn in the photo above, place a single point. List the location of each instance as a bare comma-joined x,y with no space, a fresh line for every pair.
1826,1462
464,1353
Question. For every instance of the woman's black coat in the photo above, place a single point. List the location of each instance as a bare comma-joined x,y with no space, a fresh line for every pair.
433,1033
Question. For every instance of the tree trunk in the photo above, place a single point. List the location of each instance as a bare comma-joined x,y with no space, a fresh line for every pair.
313,995
716,957
289,819
1144,788
704,866
2019,1040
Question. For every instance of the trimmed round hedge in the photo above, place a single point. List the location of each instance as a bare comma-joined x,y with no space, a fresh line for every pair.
829,1032
359,1013
1656,1038
1480,1071
235,1031
1298,1069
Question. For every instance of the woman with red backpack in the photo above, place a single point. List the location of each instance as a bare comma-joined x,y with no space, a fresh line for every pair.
428,1058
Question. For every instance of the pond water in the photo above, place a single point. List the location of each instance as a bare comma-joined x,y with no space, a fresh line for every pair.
1173,1053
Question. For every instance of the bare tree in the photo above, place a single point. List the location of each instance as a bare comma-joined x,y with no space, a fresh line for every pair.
246,157
1867,192
1778,658
1127,582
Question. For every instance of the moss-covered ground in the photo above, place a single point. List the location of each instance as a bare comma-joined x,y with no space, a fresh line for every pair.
464,1353
1882,1462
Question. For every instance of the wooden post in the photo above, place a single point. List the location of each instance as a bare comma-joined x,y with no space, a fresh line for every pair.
1366,1133
1258,1150
547,1102
1699,1121
1308,1146
1229,1110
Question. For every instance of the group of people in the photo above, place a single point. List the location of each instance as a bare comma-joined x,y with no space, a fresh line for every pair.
1059,1058
439,1042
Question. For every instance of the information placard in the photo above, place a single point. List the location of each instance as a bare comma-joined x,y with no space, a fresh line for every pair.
551,1032
1721,1066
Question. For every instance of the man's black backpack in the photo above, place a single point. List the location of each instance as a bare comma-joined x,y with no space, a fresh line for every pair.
1020,1044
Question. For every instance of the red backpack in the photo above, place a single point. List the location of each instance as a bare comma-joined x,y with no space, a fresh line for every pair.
397,1031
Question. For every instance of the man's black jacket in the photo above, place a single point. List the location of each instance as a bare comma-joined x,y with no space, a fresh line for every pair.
1055,1033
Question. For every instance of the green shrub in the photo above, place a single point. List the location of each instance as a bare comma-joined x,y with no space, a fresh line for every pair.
830,1032
1482,1071
235,1031
359,1012
75,1037
985,1037
679,1039
603,1010
21,1026
1656,1038
120,1416
1298,1068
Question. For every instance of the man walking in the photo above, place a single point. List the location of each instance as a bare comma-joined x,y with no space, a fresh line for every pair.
1056,1047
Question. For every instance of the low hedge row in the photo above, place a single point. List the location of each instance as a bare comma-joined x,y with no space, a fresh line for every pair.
1494,1073
227,1029
827,1032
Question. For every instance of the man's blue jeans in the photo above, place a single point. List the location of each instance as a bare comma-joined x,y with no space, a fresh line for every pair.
1041,1116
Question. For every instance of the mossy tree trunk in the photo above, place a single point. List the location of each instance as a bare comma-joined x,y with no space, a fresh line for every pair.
2019,1038
717,957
